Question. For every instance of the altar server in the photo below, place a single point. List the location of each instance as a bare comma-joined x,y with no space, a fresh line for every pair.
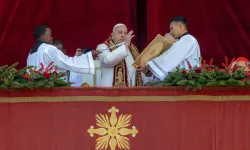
185,49
44,52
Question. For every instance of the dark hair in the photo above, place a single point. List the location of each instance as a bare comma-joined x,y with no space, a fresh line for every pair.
181,19
58,42
39,31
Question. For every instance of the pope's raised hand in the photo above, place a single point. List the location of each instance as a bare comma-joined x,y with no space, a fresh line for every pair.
128,38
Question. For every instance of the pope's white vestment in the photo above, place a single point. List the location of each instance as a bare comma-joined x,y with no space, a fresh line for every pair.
109,59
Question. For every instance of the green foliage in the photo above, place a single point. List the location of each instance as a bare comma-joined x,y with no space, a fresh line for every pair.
29,77
206,75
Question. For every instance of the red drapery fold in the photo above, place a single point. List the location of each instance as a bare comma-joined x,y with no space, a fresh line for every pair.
221,26
78,23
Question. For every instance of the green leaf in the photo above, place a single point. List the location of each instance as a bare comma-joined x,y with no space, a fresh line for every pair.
247,82
202,79
49,84
24,70
220,78
191,82
3,67
213,83
3,85
15,84
12,66
40,84
168,84
52,77
222,83
174,82
182,82
231,81
198,85
240,83
60,82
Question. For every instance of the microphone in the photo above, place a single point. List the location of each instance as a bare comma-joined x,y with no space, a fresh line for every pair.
86,50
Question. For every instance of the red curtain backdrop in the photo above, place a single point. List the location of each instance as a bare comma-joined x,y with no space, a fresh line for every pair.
221,26
79,23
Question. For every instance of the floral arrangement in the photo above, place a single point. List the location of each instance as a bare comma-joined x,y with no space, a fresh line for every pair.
29,77
208,75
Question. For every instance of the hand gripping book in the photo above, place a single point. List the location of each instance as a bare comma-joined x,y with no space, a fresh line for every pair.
156,47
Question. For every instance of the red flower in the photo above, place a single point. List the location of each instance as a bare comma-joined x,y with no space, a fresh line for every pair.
223,64
46,75
211,61
204,62
42,67
226,65
232,62
189,65
247,73
245,80
49,67
216,68
209,69
26,76
235,68
55,73
184,72
197,70
226,60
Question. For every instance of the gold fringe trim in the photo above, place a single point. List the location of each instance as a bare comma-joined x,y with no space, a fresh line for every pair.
125,98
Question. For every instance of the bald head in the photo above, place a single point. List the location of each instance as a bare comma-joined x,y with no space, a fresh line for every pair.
119,33
118,25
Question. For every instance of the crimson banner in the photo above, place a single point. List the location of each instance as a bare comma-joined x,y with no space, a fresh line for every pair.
132,123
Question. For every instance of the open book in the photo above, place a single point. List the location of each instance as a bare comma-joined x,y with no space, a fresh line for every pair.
156,47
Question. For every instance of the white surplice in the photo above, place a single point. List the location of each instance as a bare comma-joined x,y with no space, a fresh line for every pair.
76,79
184,50
48,53
110,59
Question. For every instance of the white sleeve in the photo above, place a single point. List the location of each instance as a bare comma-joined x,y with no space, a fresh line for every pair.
109,59
79,64
169,60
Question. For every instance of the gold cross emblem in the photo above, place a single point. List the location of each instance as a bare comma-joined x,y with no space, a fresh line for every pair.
112,131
